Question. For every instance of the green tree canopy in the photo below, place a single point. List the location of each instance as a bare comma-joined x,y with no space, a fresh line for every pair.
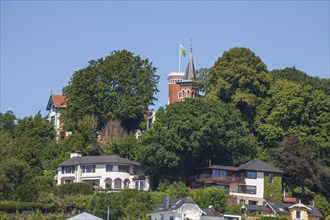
119,86
240,77
188,134
297,76
301,165
7,121
217,198
293,108
200,80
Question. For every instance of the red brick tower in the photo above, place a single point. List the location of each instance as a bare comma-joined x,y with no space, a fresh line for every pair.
173,87
180,85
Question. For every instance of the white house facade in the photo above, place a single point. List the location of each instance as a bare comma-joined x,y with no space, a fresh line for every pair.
103,172
246,182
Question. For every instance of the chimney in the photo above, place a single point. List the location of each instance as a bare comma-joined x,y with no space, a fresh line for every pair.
271,199
166,202
210,162
75,154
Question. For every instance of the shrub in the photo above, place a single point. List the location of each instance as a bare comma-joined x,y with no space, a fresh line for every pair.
75,189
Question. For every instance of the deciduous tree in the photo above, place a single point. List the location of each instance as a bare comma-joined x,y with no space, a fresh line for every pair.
239,77
301,165
119,86
188,134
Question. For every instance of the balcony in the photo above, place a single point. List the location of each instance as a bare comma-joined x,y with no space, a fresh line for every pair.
209,178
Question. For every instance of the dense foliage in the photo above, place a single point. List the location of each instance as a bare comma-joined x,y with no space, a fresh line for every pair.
120,86
239,77
281,116
186,135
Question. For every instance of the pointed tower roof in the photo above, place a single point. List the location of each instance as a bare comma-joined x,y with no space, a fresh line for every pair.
190,70
59,101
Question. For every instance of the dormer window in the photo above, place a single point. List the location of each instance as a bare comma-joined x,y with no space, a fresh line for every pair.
298,214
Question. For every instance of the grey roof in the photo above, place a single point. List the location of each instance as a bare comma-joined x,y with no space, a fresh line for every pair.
282,208
174,205
259,165
190,70
211,212
220,167
85,216
314,211
97,160
257,207
253,165
279,208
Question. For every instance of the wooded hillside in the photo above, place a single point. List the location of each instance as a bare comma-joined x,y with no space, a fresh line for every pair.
247,111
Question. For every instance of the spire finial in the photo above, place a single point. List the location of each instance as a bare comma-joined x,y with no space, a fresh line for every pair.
190,45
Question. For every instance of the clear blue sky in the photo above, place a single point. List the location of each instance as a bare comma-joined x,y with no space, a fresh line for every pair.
43,43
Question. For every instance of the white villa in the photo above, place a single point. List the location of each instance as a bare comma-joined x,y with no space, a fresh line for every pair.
103,172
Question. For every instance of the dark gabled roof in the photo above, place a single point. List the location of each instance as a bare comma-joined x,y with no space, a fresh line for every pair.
283,208
97,160
314,212
210,212
257,207
259,165
173,205
253,165
279,208
221,167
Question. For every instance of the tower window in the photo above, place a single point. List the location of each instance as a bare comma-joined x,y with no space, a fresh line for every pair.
52,120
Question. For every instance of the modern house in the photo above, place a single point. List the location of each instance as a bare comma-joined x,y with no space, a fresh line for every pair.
56,104
247,182
294,211
184,209
103,172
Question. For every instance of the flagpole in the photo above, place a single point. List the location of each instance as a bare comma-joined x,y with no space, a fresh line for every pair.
179,58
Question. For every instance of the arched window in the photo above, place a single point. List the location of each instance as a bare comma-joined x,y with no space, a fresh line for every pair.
108,183
188,93
179,95
117,183
183,94
126,183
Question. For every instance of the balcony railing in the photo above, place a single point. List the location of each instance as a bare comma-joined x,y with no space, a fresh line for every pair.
215,178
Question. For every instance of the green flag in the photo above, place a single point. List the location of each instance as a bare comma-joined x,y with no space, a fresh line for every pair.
182,51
